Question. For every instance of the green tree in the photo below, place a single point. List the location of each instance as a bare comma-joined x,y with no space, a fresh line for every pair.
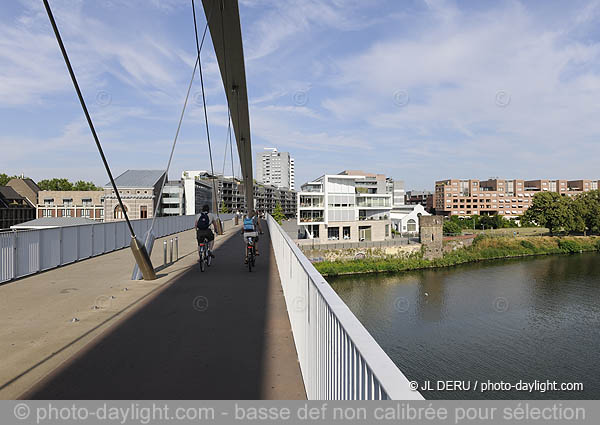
5,178
278,214
55,184
452,227
551,210
81,185
586,211
223,209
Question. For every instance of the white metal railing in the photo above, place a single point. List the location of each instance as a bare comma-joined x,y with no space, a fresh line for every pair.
338,357
30,251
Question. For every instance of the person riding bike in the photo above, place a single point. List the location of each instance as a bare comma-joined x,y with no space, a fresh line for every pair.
251,224
203,231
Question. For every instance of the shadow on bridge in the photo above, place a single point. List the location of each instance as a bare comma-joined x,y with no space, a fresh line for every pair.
222,334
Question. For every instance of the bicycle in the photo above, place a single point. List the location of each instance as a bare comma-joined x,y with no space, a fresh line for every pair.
205,257
250,252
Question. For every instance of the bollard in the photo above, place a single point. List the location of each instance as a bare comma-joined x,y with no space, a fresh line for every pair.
165,252
176,248
171,256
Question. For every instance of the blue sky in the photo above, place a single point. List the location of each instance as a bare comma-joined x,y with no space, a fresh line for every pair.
419,90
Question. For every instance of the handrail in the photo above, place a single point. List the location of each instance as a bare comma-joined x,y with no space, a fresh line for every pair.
338,357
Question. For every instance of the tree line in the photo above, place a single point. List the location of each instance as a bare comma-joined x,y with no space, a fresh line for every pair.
54,184
565,214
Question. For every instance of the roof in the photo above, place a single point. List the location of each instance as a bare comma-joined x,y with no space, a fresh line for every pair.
49,222
28,182
9,193
138,178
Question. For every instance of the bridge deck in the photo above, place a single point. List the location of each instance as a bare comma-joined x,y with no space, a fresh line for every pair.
222,334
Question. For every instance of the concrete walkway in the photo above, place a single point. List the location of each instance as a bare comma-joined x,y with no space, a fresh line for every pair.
222,334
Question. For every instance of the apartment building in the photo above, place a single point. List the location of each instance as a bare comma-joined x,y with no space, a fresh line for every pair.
276,169
396,189
509,198
231,193
173,199
420,197
71,203
350,206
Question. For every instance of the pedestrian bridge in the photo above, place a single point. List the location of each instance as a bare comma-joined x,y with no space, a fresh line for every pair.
85,330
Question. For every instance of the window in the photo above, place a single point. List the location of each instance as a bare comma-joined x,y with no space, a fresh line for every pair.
49,202
346,232
143,211
67,213
68,202
119,213
46,213
85,213
87,202
333,233
411,225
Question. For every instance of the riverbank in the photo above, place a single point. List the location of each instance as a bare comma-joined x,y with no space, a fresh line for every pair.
483,248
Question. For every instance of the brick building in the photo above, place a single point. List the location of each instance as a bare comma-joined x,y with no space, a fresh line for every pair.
71,203
139,191
510,198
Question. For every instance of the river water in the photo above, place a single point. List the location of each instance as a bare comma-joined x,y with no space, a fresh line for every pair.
507,321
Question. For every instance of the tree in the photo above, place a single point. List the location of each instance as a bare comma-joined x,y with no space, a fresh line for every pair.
551,210
64,184
452,227
587,211
278,214
5,178
223,209
81,185
55,184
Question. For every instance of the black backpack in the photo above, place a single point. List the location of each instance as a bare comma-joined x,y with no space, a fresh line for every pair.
203,221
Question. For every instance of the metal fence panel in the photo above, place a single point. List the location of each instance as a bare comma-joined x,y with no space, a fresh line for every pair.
7,253
109,236
98,236
68,244
85,243
50,248
122,235
28,248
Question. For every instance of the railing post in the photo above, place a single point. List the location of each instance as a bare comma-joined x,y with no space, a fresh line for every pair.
176,248
165,252
171,256
15,263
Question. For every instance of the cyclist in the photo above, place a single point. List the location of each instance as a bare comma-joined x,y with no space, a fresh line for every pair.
205,219
251,224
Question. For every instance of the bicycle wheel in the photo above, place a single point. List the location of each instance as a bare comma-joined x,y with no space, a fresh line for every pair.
202,261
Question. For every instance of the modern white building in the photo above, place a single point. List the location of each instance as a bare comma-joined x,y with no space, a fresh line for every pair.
351,206
405,218
173,199
275,169
197,192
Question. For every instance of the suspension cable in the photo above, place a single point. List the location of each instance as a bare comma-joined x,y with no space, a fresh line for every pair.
212,170
172,149
87,115
178,128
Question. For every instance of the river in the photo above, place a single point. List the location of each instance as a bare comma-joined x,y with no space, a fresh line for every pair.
510,321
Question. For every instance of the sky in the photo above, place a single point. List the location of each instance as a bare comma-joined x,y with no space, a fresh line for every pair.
420,90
